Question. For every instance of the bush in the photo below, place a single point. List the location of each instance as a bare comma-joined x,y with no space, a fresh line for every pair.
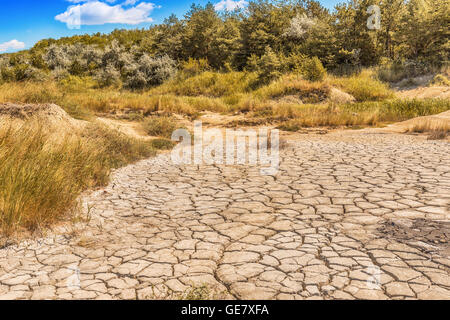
159,127
8,74
59,74
150,72
194,67
293,63
57,57
268,67
313,70
108,76
162,144
395,71
117,56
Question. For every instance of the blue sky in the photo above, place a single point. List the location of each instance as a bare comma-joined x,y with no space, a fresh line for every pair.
24,22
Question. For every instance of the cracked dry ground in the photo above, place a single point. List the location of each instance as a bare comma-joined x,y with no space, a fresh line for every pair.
312,231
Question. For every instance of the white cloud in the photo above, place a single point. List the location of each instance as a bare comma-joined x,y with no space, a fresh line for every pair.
230,5
11,45
89,12
130,2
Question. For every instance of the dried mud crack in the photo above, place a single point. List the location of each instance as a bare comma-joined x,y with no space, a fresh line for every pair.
341,206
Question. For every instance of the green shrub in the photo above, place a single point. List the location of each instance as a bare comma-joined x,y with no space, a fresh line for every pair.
7,74
194,67
313,70
268,67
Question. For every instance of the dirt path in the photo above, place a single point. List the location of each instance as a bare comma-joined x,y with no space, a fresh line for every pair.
355,214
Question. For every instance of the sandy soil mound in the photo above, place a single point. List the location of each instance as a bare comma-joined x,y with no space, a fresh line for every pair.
131,129
340,97
47,114
437,120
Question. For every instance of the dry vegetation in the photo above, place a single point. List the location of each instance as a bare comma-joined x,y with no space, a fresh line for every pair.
292,97
43,173
436,130
41,177
268,65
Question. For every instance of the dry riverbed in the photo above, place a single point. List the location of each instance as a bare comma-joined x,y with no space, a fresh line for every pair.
349,215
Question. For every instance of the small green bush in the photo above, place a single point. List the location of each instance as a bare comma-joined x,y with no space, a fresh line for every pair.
313,70
268,67
194,67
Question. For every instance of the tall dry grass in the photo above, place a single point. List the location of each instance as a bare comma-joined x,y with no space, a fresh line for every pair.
435,128
288,97
294,85
208,84
43,173
365,113
83,103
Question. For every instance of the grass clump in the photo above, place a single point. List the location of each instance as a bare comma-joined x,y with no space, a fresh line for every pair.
438,135
400,110
159,126
435,128
208,84
364,87
42,174
294,85
357,114
162,144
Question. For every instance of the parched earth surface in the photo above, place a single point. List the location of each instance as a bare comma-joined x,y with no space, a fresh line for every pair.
350,215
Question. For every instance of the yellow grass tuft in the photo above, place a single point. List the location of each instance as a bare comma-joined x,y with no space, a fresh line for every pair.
435,128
